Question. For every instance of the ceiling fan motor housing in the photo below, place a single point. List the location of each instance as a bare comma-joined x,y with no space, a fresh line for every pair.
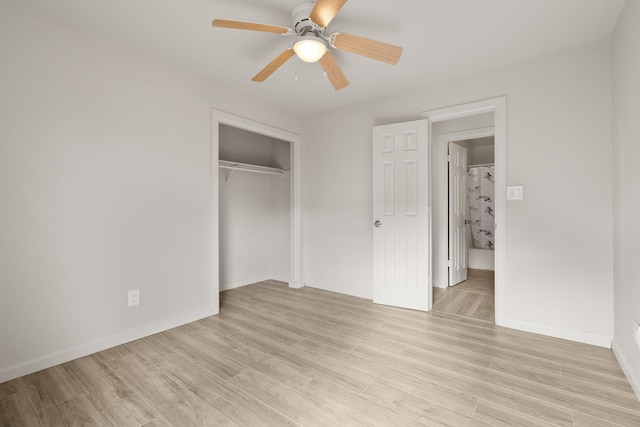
302,25
310,20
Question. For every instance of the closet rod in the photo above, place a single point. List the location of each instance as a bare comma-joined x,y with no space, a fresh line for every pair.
245,169
224,164
232,167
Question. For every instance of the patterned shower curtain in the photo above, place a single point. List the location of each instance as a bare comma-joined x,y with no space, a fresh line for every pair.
481,206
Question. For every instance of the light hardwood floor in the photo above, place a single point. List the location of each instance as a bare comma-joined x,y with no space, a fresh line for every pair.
472,298
276,356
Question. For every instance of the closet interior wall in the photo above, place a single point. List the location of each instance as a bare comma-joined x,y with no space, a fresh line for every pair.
254,210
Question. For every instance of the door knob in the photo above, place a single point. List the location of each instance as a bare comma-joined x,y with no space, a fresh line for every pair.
377,223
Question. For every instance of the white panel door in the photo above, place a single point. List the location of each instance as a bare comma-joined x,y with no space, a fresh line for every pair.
458,214
401,229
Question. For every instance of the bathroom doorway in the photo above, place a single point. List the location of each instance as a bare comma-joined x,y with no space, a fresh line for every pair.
497,110
471,206
470,289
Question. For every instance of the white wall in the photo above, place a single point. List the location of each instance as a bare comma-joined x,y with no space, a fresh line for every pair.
483,151
239,145
255,229
279,246
280,239
105,186
245,229
559,239
626,131
243,146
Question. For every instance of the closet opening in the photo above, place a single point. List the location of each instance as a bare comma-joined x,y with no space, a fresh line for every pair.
254,208
256,217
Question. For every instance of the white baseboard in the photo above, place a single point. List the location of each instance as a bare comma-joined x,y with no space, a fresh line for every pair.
338,290
583,337
279,277
47,361
296,285
243,282
632,375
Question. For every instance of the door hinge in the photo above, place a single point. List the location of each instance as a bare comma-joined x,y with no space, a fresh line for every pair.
449,263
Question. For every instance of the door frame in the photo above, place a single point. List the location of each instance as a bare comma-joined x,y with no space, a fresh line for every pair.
445,139
296,279
499,107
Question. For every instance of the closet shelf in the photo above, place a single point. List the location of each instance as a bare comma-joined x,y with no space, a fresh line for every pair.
245,167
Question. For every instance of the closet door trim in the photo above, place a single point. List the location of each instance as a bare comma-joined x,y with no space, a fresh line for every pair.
296,279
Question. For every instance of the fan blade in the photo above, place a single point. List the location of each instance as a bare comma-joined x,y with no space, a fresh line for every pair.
366,47
273,65
325,10
335,74
239,25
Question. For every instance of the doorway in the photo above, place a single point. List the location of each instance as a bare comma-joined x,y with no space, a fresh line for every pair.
470,290
222,122
480,209
470,203
495,111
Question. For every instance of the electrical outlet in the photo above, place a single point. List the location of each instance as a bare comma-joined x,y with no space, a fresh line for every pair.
133,298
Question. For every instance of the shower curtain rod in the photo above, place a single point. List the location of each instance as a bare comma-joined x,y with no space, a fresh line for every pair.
484,164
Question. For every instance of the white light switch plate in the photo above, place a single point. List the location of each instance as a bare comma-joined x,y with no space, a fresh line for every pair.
515,192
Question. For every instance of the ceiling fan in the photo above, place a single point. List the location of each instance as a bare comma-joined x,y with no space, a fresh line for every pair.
312,41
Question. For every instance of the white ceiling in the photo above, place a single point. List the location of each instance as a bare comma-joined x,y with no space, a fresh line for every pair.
442,39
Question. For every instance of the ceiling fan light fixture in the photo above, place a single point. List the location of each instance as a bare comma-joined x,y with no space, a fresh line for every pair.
310,48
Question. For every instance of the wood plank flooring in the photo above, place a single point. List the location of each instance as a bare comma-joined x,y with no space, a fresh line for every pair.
472,298
276,356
